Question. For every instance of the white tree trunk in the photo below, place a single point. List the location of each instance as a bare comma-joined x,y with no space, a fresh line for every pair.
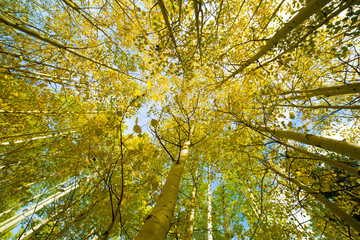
37,138
323,106
327,91
350,150
328,204
310,9
191,216
209,209
22,27
351,170
7,224
33,209
158,222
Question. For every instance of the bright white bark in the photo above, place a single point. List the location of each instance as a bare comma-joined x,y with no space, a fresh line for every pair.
209,209
351,170
4,226
327,91
323,106
29,234
33,198
294,46
37,138
7,224
342,147
191,216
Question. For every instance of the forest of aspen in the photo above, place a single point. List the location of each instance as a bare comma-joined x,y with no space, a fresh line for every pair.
180,119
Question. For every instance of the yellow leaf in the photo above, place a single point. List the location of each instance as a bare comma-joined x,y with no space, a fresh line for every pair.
149,83
137,129
154,122
137,93
154,97
292,116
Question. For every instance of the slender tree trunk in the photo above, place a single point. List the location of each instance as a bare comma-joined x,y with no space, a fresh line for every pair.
42,63
191,217
306,12
4,226
106,235
251,204
7,224
33,198
31,233
327,91
158,222
328,204
45,112
209,210
37,138
23,28
351,170
342,147
32,134
226,221
294,46
322,106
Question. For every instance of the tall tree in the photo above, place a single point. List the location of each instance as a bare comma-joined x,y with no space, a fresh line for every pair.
264,92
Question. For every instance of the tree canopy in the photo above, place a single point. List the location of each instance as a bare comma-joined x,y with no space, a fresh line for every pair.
197,119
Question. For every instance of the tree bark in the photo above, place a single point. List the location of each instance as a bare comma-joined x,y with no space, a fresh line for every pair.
328,204
350,150
226,221
33,33
322,106
209,210
294,46
158,222
190,223
37,138
351,170
326,91
6,225
310,9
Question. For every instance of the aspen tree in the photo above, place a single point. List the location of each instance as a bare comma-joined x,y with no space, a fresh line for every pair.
6,225
342,147
157,223
209,205
191,216
226,221
318,196
310,9
326,91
